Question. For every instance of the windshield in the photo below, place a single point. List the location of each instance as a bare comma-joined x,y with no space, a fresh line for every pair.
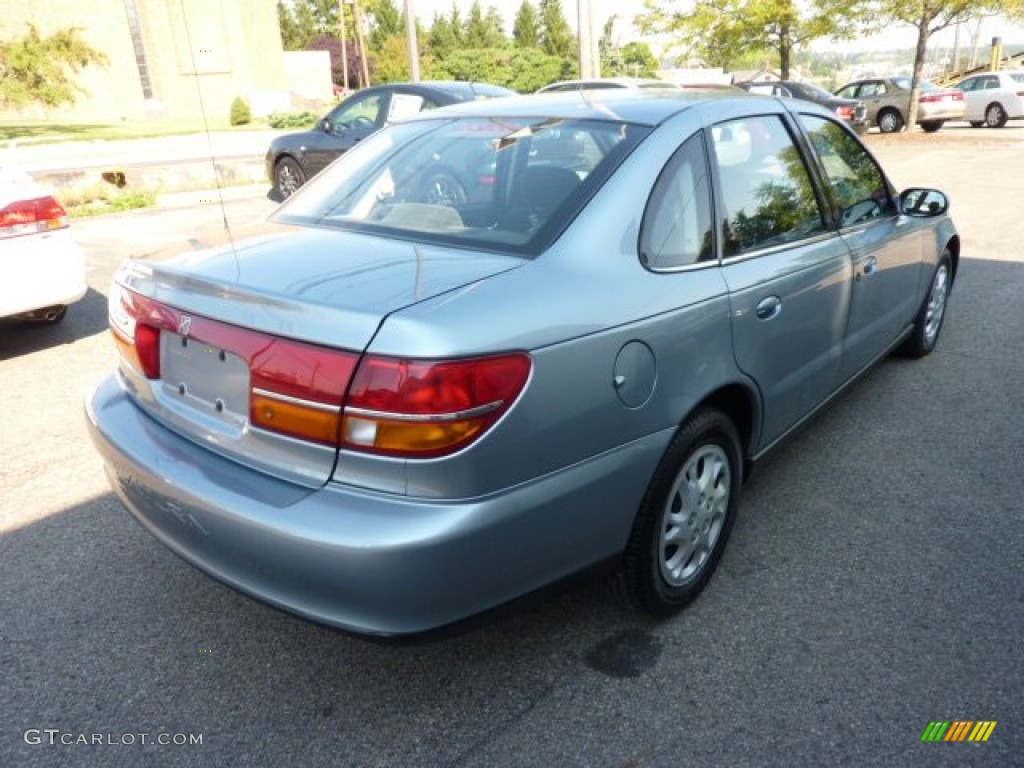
508,184
906,82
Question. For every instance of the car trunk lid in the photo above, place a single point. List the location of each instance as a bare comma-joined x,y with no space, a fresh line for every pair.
249,349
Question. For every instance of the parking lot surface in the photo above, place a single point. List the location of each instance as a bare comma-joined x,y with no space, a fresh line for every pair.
873,583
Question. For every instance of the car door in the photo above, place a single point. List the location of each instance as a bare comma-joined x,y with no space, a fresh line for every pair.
886,251
873,93
345,126
787,272
973,98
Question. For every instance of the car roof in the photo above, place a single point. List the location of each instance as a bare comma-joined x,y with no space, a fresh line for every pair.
608,82
462,90
640,107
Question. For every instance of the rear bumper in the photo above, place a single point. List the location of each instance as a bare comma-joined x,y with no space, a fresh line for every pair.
951,110
364,561
41,271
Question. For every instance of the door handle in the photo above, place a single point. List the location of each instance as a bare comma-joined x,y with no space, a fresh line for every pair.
769,308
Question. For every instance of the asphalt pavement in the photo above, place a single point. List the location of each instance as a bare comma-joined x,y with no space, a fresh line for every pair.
873,583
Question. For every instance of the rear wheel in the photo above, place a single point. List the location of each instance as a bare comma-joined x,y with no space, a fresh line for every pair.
890,121
932,126
288,176
995,116
929,318
686,515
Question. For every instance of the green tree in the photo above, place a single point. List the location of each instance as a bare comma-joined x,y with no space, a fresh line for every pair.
556,38
476,30
521,69
387,22
40,70
442,39
718,30
303,20
526,29
495,25
638,61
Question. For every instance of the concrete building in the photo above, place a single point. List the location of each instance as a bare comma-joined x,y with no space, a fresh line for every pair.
166,59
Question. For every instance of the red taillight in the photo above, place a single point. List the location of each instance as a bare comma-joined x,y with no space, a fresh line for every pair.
418,408
931,98
296,389
845,112
147,346
26,217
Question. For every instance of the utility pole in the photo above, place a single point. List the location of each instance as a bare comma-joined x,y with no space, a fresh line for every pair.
590,61
410,33
357,19
344,49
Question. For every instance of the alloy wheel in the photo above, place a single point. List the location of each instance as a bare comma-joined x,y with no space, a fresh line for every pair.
695,514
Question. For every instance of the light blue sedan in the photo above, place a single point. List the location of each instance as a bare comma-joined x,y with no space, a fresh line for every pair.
506,341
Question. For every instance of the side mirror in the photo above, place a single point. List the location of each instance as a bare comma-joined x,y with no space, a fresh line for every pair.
326,126
920,201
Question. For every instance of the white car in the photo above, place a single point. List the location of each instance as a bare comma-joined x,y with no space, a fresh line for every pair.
43,269
993,98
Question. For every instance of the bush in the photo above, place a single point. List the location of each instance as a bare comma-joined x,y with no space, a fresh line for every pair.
240,112
291,120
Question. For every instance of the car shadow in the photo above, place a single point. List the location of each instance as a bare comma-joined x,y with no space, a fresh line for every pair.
85,318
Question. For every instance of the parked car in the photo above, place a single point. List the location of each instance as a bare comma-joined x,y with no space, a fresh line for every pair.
605,83
993,98
296,157
390,413
852,111
43,267
888,99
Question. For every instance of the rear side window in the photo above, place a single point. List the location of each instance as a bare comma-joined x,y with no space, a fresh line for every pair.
676,229
767,193
856,182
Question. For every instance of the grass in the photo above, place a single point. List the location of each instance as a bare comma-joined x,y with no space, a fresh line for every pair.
121,201
42,132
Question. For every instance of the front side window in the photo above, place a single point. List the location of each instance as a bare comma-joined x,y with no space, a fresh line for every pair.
857,185
849,92
766,190
362,113
676,230
510,184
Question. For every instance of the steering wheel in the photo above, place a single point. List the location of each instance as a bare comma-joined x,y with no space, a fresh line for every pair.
442,188
361,122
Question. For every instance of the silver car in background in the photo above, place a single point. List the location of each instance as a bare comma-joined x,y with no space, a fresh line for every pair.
398,408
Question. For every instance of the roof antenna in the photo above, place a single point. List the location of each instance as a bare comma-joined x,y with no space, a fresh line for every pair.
209,139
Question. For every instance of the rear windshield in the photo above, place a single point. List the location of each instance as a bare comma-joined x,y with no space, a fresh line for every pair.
508,184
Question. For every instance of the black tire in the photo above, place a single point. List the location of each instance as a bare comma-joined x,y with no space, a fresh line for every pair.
977,123
995,115
678,537
928,323
288,177
442,188
890,121
932,126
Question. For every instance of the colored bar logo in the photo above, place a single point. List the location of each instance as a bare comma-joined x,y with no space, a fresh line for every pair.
958,730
